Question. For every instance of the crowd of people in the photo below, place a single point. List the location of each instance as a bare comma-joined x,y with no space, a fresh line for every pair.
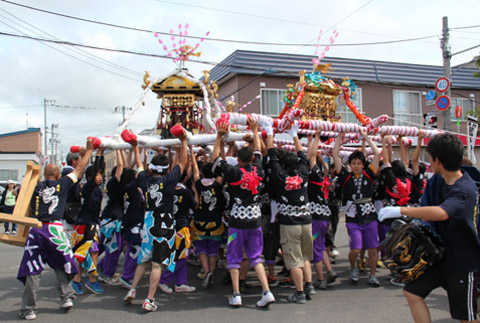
249,204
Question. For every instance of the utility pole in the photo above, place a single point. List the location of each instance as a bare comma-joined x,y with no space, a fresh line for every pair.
447,72
122,109
52,141
45,104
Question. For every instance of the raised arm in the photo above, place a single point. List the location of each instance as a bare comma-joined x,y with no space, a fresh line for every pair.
403,151
387,154
182,159
85,155
195,172
376,152
222,129
337,161
252,122
313,150
416,153
119,170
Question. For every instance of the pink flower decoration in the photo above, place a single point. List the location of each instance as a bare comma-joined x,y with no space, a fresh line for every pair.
172,38
180,26
155,34
174,45
327,48
169,54
208,33
181,34
322,56
202,39
165,47
185,33
171,31
187,25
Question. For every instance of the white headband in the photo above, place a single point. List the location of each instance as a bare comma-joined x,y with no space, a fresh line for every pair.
158,168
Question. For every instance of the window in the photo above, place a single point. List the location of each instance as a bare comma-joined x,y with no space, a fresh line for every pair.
466,104
272,101
344,110
6,174
407,108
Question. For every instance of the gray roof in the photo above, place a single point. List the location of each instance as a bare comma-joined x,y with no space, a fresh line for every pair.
280,64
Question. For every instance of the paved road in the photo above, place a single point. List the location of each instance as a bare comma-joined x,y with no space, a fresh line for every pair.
342,302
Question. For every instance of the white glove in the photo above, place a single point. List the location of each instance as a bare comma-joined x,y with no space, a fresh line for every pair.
293,130
389,212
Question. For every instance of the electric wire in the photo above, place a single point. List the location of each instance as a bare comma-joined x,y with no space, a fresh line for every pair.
218,39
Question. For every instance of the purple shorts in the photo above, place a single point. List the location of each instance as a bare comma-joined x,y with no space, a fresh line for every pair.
363,236
249,239
319,231
209,247
382,231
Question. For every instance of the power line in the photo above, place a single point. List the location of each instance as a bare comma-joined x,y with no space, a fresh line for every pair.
63,52
466,27
216,39
79,51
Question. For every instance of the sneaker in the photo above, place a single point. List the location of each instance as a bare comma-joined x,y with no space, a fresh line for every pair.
331,276
373,281
14,232
397,282
77,288
94,287
267,299
297,298
201,275
354,275
235,300
334,253
208,281
184,289
380,263
7,233
85,274
164,288
149,305
320,284
108,280
333,260
286,283
130,295
309,290
272,282
125,283
362,265
67,303
30,315
284,272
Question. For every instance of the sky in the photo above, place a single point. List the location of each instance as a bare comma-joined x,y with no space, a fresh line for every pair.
87,84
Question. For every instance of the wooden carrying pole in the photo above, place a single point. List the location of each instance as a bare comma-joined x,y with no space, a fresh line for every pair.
22,211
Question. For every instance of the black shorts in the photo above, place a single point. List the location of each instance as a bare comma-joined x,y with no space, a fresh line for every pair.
460,286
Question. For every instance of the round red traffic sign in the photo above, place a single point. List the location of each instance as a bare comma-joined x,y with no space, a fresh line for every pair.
458,111
442,84
443,102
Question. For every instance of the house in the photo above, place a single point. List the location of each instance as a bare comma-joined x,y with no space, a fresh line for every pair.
16,148
396,89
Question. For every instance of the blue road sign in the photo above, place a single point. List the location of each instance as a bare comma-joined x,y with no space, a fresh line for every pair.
430,95
443,102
